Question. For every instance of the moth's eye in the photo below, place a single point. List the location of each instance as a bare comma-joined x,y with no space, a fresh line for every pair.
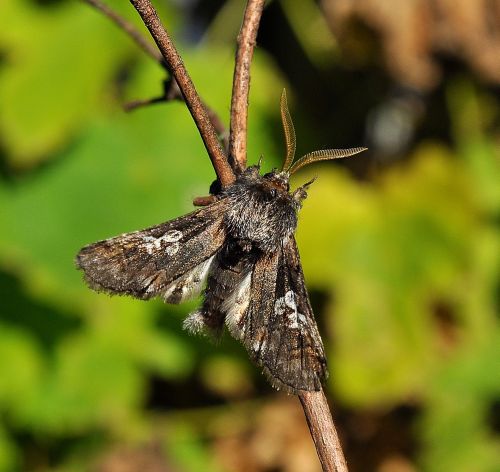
273,193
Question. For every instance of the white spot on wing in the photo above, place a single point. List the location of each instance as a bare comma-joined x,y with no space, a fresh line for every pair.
170,238
279,306
235,306
288,306
290,300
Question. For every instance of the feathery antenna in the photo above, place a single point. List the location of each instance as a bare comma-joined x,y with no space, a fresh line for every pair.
324,155
289,131
315,156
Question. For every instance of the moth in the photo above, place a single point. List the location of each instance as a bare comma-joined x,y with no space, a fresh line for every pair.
241,252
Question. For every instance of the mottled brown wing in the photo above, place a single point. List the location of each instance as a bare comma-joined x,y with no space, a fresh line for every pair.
280,331
170,260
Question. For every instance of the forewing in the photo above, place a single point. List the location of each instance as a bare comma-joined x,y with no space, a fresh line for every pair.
279,327
170,260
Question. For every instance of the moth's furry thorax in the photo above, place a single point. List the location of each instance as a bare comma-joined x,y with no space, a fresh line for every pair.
261,209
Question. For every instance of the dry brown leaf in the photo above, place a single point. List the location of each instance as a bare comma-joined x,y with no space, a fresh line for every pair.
412,32
278,439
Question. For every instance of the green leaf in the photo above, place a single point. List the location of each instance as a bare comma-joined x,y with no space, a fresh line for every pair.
22,369
456,427
51,86
9,454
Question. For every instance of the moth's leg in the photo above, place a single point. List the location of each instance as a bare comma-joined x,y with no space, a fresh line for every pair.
204,201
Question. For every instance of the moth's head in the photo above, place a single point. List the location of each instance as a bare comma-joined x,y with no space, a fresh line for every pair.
277,184
274,184
277,180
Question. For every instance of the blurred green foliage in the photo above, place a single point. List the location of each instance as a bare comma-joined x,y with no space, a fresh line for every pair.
408,264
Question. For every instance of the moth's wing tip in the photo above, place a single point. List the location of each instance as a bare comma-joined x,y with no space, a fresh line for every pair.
315,385
87,256
78,259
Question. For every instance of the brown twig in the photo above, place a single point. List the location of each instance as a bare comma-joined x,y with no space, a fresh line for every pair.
323,432
199,113
204,201
130,29
135,104
241,84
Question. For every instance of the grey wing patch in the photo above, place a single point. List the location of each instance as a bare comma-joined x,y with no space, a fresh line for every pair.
280,331
252,326
235,306
227,293
171,260
188,285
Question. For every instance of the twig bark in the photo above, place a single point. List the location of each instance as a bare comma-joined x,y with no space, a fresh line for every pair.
323,432
135,104
241,84
130,29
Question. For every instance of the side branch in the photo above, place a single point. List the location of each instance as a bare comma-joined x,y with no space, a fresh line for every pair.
175,65
323,432
171,88
241,84
130,29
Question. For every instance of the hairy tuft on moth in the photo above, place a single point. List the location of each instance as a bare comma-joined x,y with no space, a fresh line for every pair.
241,248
